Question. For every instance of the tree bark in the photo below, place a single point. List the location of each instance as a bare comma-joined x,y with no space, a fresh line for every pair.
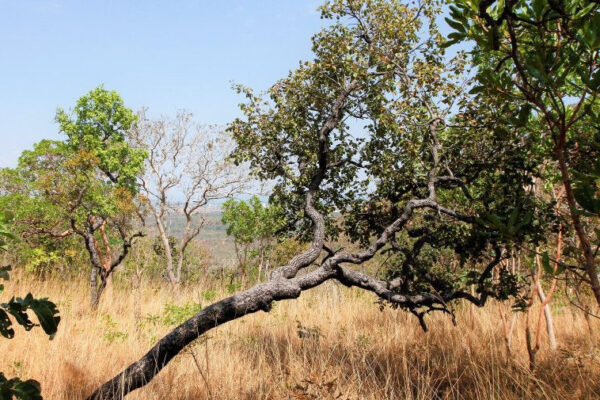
97,288
255,299
94,296
547,316
584,242
167,246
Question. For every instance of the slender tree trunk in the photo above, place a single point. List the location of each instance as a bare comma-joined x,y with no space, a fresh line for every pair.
584,242
179,267
167,247
548,317
534,345
97,288
94,297
245,265
99,292
188,235
531,347
238,254
508,329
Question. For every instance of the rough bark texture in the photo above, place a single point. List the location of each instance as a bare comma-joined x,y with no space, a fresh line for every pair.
257,298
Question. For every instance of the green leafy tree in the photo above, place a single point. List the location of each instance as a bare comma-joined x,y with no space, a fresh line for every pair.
253,227
17,308
377,140
83,186
99,125
543,56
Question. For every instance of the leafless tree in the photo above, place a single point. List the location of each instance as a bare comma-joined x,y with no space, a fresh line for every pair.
186,169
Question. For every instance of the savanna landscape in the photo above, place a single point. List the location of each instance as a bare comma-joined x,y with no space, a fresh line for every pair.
411,211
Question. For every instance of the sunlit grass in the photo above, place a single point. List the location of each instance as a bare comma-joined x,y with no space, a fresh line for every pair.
331,343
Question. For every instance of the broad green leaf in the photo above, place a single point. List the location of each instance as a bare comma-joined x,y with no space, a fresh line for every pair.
21,390
456,25
584,11
47,315
538,7
16,308
6,325
585,194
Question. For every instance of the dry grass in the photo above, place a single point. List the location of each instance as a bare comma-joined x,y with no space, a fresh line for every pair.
350,350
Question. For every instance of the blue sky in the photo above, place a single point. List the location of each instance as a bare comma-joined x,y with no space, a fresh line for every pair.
166,55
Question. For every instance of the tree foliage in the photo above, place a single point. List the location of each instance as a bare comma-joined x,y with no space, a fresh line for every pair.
542,56
253,227
250,221
99,125
382,116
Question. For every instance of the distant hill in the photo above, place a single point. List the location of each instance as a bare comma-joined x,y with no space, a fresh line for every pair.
213,234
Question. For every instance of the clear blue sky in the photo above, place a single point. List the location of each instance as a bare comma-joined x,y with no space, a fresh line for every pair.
166,55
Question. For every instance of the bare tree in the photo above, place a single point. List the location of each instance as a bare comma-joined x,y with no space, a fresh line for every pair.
187,168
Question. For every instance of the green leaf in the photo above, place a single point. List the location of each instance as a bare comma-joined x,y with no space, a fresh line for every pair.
546,263
560,268
454,38
15,308
6,325
456,25
538,7
22,390
47,315
499,8
477,89
456,13
585,194
590,32
584,11
536,72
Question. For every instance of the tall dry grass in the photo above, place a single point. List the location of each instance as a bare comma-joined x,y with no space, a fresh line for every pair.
349,349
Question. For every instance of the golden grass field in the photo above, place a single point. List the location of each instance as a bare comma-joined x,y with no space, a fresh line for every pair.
350,350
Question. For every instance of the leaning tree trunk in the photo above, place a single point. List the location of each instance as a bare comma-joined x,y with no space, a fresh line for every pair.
254,299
